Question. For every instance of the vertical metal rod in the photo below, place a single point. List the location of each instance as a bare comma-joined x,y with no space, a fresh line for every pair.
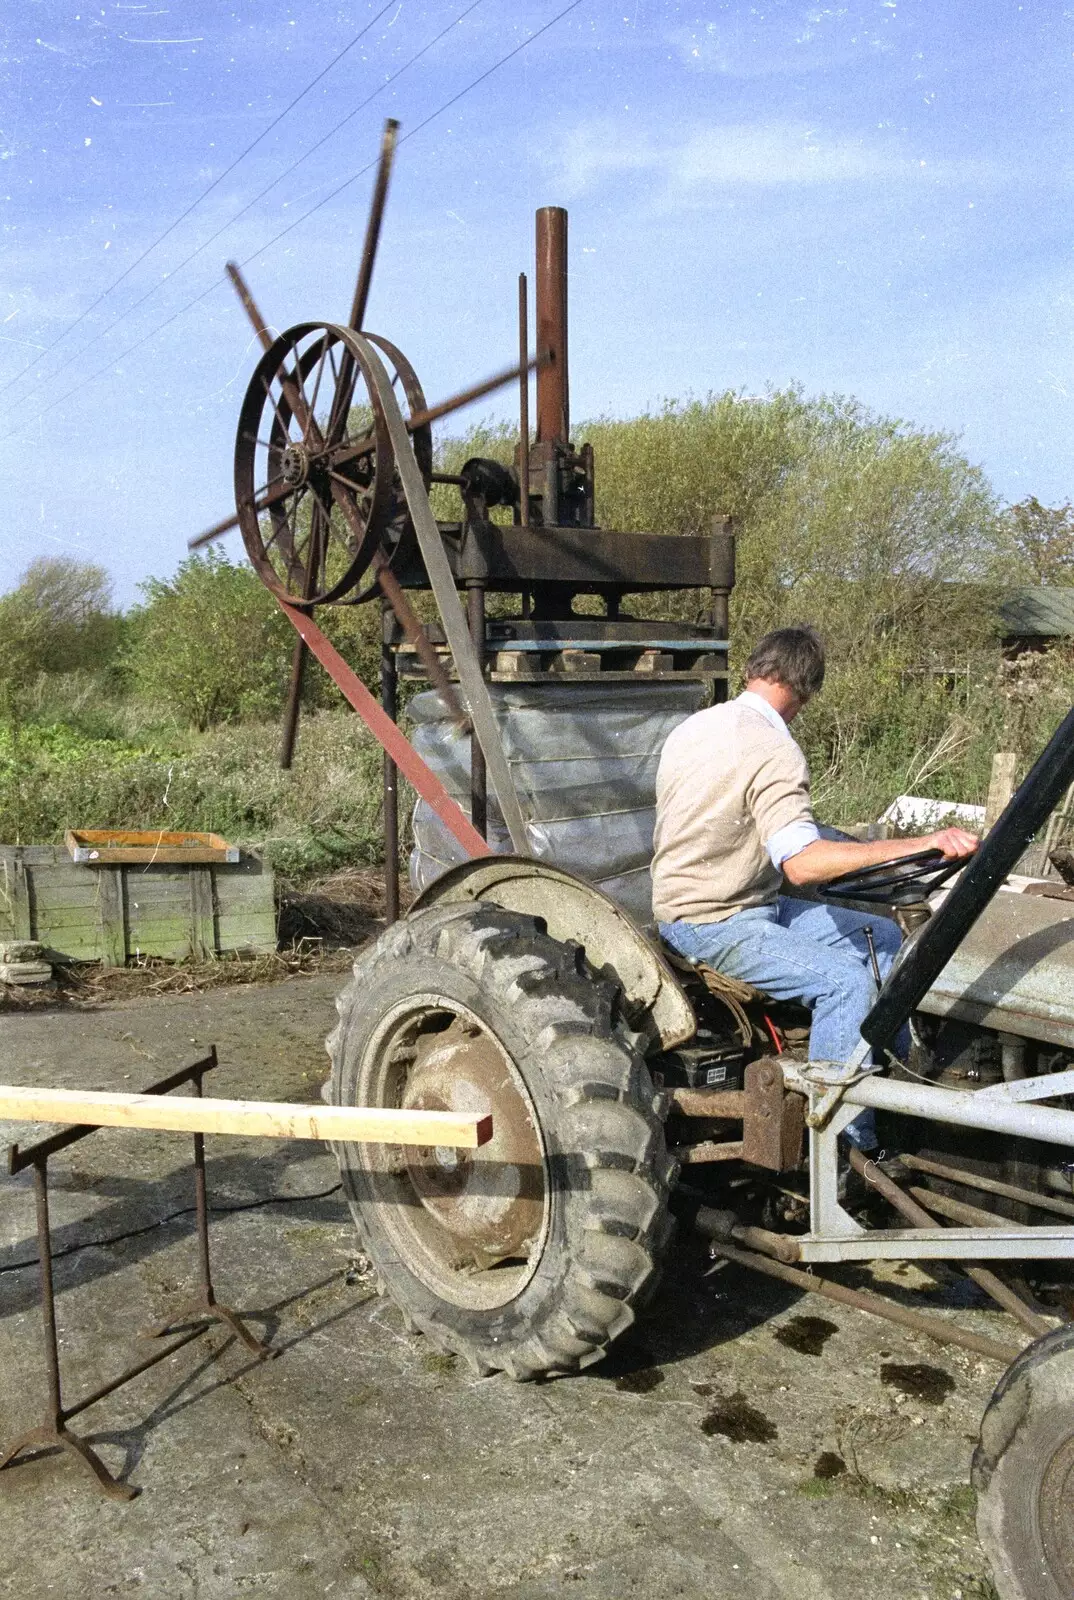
475,609
388,700
201,1206
372,231
48,1295
873,962
294,702
523,404
553,389
344,394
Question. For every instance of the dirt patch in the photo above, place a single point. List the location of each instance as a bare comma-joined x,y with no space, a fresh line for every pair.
644,1381
735,1418
829,1465
920,1382
806,1335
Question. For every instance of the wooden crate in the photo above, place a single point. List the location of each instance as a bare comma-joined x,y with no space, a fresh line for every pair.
116,912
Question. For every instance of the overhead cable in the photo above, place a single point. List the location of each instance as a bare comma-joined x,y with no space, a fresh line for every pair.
129,311
170,229
261,250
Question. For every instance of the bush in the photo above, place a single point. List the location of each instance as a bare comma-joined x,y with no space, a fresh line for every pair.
324,812
882,535
211,645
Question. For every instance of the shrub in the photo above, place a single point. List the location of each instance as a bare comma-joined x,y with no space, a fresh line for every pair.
210,645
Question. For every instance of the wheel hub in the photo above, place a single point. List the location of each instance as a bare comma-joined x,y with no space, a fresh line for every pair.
490,1200
295,465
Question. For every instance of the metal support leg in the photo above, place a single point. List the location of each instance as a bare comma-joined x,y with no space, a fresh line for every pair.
475,611
388,700
206,1307
294,705
55,1430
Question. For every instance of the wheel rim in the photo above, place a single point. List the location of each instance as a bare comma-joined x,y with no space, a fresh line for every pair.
315,490
1055,1510
470,1224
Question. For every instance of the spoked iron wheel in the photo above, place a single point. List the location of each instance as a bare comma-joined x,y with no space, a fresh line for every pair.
316,490
534,1252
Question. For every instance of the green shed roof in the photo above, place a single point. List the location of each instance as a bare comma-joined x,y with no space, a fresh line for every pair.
1038,613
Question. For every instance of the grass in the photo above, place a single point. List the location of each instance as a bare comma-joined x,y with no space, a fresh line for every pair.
869,737
323,814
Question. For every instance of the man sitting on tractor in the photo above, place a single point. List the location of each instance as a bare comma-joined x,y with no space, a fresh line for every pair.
733,819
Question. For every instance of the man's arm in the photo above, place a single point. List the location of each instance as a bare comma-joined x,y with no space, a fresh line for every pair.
826,859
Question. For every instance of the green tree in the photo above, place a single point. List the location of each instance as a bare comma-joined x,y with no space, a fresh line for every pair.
59,618
74,601
210,645
1042,540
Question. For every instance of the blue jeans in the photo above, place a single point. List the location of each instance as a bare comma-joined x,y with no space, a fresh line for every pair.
800,950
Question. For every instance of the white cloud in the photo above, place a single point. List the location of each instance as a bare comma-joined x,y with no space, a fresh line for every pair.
746,154
787,38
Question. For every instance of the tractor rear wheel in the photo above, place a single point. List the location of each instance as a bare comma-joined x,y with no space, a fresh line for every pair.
1023,1472
531,1254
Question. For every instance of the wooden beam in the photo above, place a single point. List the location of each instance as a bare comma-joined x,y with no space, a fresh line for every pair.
262,1119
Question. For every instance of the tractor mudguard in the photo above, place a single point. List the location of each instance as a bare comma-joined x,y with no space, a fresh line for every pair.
573,910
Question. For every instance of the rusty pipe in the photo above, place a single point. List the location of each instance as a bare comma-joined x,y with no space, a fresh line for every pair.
974,1180
723,1227
553,387
918,1217
862,1300
523,404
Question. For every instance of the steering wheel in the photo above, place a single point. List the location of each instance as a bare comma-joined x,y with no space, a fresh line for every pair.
908,880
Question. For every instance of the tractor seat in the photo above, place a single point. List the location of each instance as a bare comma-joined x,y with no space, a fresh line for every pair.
751,1009
716,982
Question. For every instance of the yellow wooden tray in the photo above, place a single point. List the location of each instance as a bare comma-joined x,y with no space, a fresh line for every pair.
117,847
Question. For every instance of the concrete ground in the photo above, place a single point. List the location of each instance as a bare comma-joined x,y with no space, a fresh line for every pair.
742,1442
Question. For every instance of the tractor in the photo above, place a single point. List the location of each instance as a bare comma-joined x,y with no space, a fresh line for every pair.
629,1091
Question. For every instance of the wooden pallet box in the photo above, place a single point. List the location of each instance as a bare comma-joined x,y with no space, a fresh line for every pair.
114,914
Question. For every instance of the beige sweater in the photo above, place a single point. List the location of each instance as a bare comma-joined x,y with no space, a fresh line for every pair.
729,782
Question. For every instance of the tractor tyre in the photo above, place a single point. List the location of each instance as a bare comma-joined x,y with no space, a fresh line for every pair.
532,1253
1023,1472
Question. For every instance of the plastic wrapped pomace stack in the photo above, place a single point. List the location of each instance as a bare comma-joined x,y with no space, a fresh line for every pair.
583,758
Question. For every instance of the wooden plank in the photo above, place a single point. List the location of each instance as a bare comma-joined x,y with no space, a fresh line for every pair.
1001,785
113,909
74,944
262,1119
156,893
15,912
34,855
52,897
120,847
246,938
245,908
61,919
202,920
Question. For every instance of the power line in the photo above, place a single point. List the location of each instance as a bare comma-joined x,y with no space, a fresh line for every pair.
262,249
242,212
195,203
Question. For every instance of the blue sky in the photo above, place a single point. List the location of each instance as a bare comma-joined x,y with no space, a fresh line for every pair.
871,199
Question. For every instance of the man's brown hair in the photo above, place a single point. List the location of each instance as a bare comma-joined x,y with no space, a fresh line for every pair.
792,656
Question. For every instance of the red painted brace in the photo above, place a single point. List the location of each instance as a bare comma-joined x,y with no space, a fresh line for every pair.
384,730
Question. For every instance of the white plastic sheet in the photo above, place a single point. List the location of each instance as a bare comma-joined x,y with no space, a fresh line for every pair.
583,758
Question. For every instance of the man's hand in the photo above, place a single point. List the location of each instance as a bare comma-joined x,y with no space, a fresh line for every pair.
953,842
825,859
